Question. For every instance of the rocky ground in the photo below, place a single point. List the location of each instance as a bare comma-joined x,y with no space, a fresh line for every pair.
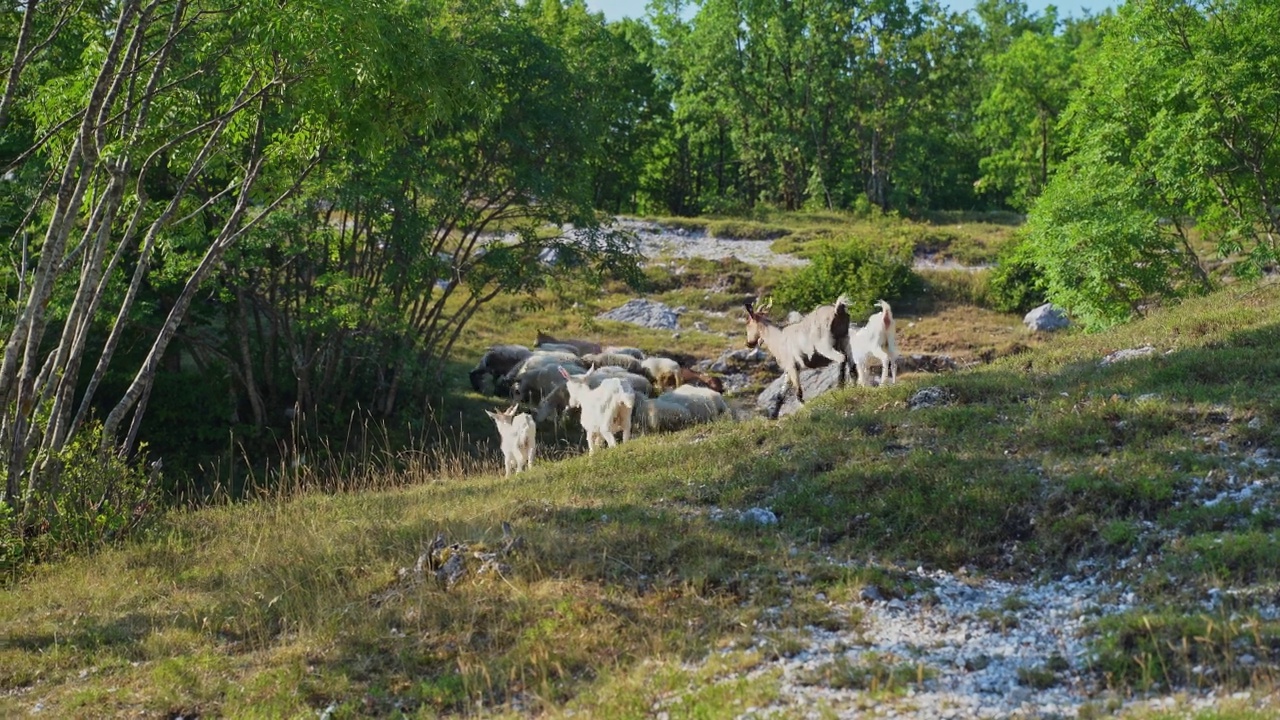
979,647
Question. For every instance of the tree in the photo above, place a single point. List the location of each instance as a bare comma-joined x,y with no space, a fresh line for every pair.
1173,129
177,130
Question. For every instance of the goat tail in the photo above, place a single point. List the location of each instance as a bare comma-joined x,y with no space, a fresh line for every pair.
888,313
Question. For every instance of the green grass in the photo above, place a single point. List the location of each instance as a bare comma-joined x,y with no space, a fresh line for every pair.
296,602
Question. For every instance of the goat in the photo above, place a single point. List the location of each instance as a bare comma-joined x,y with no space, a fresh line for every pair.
497,361
705,404
556,401
584,346
606,408
816,340
661,370
878,338
626,362
518,438
689,375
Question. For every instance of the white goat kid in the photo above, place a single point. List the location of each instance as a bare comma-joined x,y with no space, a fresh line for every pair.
878,339
518,438
815,341
606,408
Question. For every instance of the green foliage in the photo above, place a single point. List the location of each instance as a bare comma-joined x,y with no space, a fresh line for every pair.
89,496
1100,248
861,269
1015,283
1018,119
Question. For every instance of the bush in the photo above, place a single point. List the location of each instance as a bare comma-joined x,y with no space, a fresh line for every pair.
1016,284
860,269
89,497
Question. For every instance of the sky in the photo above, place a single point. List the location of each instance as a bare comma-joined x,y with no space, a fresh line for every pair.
617,9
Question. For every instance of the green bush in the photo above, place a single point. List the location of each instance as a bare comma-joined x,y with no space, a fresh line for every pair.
1016,283
87,497
862,270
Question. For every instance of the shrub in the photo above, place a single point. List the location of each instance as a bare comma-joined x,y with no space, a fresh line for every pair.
1016,283
90,496
860,269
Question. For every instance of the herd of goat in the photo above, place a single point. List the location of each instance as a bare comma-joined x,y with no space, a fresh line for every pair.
613,387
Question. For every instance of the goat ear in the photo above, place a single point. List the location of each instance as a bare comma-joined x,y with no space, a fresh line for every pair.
564,373
510,411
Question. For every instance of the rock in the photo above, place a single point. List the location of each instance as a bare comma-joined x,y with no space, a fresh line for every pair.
930,397
759,516
646,313
974,663
871,593
779,399
701,327
1046,318
1127,354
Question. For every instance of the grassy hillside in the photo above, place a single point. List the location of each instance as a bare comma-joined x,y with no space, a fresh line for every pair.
617,573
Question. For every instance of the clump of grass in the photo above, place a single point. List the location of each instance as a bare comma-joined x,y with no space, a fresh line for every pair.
1167,648
871,672
745,230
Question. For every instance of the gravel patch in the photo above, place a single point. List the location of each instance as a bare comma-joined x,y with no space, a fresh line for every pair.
655,241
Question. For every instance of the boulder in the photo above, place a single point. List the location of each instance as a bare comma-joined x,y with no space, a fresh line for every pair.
779,400
1046,318
646,313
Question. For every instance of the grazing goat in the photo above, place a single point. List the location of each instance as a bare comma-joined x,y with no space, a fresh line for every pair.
584,346
606,408
626,362
557,401
688,375
518,438
661,371
497,361
880,339
816,340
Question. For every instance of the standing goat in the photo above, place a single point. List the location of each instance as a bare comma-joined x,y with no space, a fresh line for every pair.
815,341
880,339
518,438
606,408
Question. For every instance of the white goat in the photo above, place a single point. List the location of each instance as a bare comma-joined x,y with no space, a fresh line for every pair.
879,339
497,361
518,438
606,408
816,340
662,370
555,402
